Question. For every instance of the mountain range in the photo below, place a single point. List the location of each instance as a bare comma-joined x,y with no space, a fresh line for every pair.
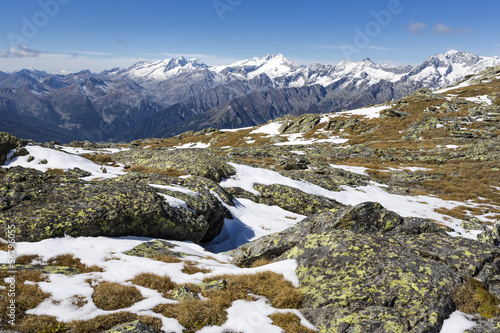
168,97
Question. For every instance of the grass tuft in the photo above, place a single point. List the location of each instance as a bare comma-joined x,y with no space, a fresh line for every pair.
113,296
27,259
196,314
162,284
70,261
106,322
166,258
472,297
289,322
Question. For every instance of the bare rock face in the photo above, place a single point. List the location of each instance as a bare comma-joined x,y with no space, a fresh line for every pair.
45,205
367,269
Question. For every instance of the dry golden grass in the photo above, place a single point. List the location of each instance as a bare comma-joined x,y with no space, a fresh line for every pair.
162,284
40,324
289,322
193,269
28,296
465,180
98,158
114,296
165,172
196,314
166,258
106,322
56,171
78,301
70,261
26,259
261,262
477,89
472,297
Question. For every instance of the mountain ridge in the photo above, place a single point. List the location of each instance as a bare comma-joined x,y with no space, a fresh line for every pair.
125,104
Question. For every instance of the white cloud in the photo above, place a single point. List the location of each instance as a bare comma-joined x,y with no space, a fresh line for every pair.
22,51
416,28
64,63
443,29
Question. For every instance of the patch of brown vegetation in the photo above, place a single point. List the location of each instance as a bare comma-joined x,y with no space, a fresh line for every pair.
472,297
162,284
261,262
70,261
56,171
191,268
113,296
28,296
40,324
166,258
196,314
265,161
289,322
98,158
106,322
26,259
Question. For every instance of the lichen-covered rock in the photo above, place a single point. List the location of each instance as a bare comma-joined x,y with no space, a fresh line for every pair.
490,236
184,293
473,223
301,124
214,285
46,205
7,143
340,124
132,327
393,113
191,161
201,200
46,269
366,269
288,198
153,248
327,177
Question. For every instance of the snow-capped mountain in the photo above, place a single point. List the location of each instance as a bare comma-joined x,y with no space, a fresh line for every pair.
442,70
162,69
166,97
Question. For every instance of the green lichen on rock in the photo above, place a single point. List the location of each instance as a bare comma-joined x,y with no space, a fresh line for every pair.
301,124
214,285
47,205
7,143
191,161
288,198
132,327
367,269
65,270
184,293
152,249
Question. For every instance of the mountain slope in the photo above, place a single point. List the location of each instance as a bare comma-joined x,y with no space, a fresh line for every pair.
169,96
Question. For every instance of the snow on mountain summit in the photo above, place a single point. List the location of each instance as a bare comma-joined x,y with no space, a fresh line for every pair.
443,69
164,69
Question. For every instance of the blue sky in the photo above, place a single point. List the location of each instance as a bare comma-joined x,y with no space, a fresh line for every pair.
72,35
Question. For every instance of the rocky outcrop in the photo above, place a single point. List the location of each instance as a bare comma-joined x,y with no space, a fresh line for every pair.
302,124
191,161
7,143
132,327
288,198
367,269
44,205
